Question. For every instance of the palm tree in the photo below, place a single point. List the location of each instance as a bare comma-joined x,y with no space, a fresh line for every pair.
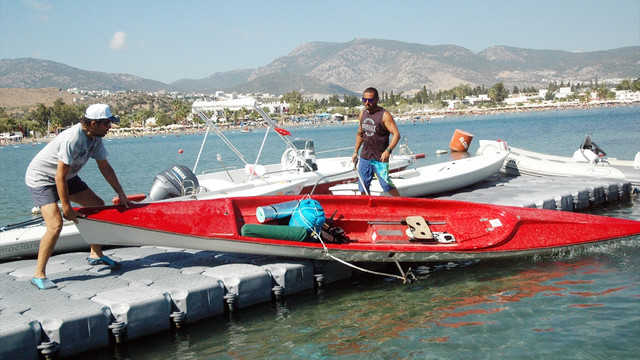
242,113
227,114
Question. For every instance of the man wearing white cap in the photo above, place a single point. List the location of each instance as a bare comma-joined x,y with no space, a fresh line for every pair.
52,175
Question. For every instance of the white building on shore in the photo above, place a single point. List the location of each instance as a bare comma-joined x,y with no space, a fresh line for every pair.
218,108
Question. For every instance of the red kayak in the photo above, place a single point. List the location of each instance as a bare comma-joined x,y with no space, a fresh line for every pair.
357,228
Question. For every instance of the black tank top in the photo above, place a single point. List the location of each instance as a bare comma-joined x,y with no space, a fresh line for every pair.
375,137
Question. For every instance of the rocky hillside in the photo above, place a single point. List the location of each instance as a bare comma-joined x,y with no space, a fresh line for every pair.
340,68
395,65
36,73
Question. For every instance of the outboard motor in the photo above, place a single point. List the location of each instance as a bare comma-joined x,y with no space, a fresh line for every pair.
308,152
177,180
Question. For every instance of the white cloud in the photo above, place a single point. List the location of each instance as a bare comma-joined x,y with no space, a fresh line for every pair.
118,41
37,5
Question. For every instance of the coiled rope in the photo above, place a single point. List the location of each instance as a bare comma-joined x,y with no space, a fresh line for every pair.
406,277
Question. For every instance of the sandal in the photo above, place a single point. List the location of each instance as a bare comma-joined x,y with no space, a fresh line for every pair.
103,261
43,284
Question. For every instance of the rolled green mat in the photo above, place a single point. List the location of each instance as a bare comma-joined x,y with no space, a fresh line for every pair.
278,232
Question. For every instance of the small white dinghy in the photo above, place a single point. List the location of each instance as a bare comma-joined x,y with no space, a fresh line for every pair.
587,161
437,178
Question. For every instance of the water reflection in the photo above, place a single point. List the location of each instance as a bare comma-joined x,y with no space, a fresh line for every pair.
495,308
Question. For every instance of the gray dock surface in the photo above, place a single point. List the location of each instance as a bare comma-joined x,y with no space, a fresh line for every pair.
154,290
549,192
159,288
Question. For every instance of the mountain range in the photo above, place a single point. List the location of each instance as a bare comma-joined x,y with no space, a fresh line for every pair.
350,67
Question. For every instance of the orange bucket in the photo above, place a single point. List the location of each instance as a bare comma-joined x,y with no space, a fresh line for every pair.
460,141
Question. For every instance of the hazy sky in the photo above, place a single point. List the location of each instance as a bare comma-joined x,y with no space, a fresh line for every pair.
172,40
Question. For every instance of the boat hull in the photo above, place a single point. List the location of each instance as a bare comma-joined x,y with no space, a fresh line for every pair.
525,162
24,241
437,178
376,228
331,171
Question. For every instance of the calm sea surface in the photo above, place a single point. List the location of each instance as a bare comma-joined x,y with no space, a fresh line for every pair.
579,304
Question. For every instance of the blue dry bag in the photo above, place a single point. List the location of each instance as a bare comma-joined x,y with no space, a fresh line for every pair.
308,214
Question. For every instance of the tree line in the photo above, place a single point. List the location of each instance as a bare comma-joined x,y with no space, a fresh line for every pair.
440,99
132,110
135,108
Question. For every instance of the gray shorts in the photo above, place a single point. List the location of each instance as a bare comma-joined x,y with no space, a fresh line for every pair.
49,194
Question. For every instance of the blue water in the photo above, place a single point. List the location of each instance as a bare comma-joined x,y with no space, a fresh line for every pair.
579,304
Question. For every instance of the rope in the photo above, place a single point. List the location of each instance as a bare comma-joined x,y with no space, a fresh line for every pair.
304,220
404,276
314,234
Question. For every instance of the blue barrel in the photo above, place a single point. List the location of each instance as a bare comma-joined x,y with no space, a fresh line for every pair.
275,211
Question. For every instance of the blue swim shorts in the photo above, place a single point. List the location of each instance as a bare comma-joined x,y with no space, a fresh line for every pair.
366,168
49,194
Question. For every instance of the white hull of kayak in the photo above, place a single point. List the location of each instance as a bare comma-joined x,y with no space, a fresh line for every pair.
24,241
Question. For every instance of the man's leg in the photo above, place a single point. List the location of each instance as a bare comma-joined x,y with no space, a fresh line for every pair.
88,198
394,192
53,221
382,171
365,175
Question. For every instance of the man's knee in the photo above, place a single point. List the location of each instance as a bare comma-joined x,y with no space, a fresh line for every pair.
54,226
52,217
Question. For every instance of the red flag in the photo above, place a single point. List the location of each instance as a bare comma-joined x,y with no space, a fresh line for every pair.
282,131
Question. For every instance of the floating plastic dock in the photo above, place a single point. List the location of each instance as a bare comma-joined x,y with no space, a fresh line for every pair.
156,288
159,288
548,192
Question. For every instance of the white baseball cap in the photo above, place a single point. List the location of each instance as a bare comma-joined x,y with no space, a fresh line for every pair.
100,112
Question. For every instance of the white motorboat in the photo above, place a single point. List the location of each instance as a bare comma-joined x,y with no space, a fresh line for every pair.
298,163
318,174
587,161
437,178
23,239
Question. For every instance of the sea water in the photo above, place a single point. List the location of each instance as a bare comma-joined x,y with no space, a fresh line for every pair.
583,303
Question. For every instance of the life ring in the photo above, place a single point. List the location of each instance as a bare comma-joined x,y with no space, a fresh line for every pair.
288,160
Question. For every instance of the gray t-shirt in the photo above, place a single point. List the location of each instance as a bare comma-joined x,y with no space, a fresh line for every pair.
73,147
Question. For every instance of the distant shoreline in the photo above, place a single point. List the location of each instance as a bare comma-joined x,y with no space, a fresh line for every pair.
422,115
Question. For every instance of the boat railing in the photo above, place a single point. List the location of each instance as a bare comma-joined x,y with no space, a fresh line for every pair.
188,187
328,176
207,171
350,148
35,221
403,150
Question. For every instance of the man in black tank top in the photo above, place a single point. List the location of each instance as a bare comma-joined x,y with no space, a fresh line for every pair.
376,124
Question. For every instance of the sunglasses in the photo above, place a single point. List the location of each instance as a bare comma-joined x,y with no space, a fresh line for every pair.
105,122
365,100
